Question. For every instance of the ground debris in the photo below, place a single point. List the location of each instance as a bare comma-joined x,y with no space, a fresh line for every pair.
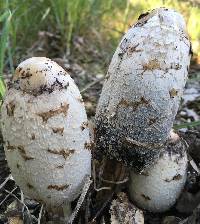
171,220
124,212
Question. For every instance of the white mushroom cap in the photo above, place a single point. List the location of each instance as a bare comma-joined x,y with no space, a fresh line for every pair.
44,126
39,72
158,187
143,88
168,18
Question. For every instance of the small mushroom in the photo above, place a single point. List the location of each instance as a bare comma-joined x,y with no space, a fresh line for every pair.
158,187
45,145
143,87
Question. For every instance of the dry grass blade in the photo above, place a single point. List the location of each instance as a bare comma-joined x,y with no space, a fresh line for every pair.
5,181
7,196
9,192
115,182
102,208
40,215
91,85
94,178
87,184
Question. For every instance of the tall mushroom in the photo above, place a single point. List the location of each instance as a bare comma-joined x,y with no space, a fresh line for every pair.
138,105
44,126
142,90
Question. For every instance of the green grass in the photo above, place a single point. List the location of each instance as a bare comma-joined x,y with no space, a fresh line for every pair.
100,22
4,42
187,125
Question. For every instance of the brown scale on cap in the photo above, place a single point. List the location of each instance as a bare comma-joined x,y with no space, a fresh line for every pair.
30,186
58,187
143,15
10,107
25,74
89,145
51,113
23,153
152,121
60,166
173,92
58,130
134,105
133,49
146,197
57,85
63,152
143,19
176,177
84,125
33,136
152,65
10,147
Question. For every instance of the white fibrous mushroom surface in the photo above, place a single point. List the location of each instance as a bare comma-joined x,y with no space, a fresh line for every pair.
158,187
143,86
45,130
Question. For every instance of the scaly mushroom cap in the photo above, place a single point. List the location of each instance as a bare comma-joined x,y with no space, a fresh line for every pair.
37,74
44,126
142,90
158,187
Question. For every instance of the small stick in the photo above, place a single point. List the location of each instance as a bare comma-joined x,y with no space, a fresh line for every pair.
91,85
102,208
40,214
95,184
5,181
115,182
19,201
81,199
7,196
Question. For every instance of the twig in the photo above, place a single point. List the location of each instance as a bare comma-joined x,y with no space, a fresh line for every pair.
95,184
19,201
40,214
7,196
91,85
81,199
22,200
102,208
87,207
115,182
5,181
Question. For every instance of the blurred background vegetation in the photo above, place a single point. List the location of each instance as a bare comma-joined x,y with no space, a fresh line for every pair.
84,29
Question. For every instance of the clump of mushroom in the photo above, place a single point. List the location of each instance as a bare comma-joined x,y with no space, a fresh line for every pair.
158,187
143,87
44,126
138,105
